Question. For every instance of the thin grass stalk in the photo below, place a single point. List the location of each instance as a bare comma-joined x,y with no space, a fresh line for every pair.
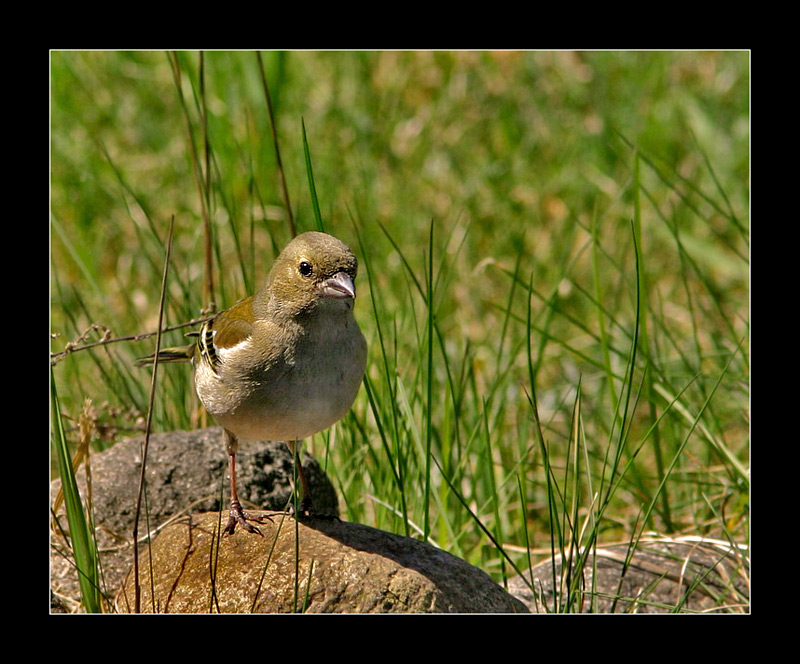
692,187
523,501
573,461
708,283
397,462
605,341
295,496
493,495
209,302
307,593
137,592
448,429
642,291
213,552
731,214
312,188
274,130
429,394
581,355
202,191
395,459
556,540
267,562
497,544
694,424
626,416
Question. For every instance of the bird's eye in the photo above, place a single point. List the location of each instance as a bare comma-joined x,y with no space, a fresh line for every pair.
305,268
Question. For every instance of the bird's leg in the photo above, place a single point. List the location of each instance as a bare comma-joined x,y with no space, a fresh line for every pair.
306,509
237,514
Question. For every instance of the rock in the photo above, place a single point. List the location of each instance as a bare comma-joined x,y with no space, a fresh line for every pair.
315,566
186,471
687,574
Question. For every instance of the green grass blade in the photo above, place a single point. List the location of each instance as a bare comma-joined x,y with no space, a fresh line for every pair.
83,543
312,188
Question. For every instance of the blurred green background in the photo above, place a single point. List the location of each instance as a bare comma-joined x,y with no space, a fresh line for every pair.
525,173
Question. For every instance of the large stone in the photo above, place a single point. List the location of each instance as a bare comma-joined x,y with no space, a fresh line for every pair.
315,566
186,471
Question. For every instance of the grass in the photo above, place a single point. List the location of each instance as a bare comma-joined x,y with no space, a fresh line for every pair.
554,277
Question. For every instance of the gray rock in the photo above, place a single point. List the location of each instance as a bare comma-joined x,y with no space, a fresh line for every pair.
663,575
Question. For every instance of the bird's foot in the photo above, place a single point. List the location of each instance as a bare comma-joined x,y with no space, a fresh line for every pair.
239,516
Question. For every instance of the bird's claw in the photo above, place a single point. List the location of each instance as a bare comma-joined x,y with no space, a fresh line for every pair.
239,516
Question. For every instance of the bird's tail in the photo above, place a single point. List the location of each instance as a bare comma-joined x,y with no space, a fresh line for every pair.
168,355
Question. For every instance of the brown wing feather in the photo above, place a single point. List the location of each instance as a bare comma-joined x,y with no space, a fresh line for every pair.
225,330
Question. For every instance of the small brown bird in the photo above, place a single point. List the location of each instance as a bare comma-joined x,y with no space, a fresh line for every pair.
286,362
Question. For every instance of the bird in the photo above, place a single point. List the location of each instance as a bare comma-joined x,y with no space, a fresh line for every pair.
284,363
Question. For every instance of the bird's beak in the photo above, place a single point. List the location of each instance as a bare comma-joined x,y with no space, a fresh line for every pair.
339,286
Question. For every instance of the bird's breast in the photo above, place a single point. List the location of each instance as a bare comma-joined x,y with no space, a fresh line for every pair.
288,395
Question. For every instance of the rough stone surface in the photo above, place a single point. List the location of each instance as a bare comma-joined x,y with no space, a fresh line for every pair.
315,566
664,575
186,471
